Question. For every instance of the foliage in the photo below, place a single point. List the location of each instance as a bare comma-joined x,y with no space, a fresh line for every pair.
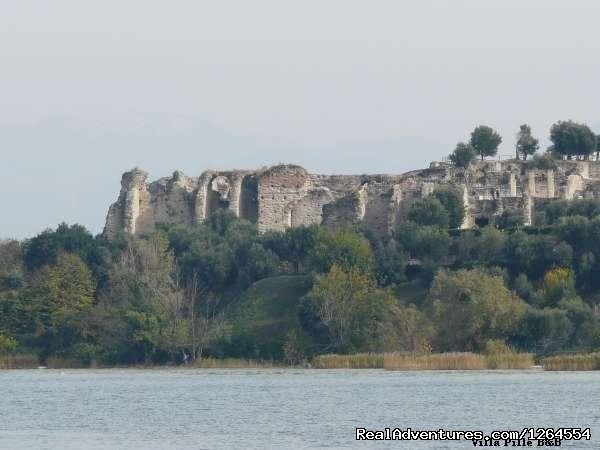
523,287
485,141
572,139
45,248
484,247
545,331
390,262
352,309
7,344
463,155
526,143
510,218
294,245
424,242
452,200
343,248
558,283
429,212
542,162
221,289
56,302
552,212
471,307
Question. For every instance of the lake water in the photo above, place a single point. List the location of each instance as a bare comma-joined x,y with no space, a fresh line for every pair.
288,408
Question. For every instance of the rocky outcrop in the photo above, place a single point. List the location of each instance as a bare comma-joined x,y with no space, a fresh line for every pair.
286,196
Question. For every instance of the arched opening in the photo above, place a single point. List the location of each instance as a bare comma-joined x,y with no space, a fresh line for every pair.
213,200
249,199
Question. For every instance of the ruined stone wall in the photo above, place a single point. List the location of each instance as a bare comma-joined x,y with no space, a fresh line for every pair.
279,188
286,196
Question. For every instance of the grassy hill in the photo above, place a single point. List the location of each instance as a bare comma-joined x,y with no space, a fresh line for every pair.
265,314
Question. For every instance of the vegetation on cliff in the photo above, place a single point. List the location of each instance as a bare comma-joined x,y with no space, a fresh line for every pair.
221,289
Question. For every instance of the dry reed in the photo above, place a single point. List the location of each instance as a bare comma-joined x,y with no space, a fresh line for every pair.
231,363
434,361
19,361
589,361
355,361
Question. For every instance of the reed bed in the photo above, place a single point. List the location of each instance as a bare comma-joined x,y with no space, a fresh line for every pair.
22,361
433,361
589,361
58,362
231,363
510,360
355,361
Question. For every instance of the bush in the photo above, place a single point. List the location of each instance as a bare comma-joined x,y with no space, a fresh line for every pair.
542,162
429,212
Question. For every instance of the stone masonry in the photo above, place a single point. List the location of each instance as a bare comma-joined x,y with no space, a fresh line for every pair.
286,196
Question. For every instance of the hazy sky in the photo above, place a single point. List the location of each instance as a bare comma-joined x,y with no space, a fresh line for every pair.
89,89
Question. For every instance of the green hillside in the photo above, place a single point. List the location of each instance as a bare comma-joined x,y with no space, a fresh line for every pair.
265,314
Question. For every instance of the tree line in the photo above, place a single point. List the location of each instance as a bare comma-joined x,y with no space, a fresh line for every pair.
569,140
169,296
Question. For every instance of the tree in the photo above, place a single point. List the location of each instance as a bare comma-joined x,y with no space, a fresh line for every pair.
343,248
452,199
485,141
463,155
598,147
526,143
429,212
470,307
489,246
545,330
352,308
56,302
390,263
202,316
559,283
10,256
428,243
7,344
572,139
44,248
408,330
510,218
143,287
586,324
294,245
68,286
523,287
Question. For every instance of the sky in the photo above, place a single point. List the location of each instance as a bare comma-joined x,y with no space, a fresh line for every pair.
91,89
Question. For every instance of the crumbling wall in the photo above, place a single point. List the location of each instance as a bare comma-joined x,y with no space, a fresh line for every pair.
288,196
278,188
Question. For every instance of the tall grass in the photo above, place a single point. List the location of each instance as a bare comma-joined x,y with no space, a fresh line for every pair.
589,361
19,361
59,362
512,360
355,361
231,363
434,361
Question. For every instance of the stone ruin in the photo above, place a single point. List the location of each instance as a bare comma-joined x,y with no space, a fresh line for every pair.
286,196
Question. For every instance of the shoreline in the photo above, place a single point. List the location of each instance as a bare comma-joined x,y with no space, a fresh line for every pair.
455,361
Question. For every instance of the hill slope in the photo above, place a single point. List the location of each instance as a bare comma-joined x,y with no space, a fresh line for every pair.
265,314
